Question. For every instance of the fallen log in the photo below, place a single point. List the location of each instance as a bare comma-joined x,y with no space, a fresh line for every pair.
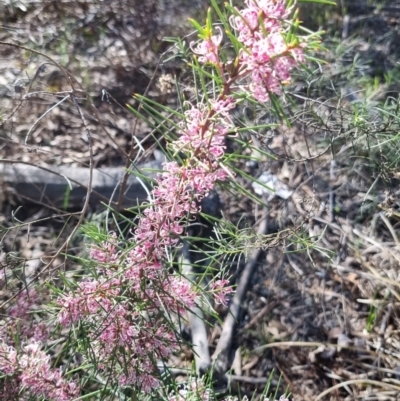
65,187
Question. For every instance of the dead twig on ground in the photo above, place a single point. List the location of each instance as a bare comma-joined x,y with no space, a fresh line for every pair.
357,381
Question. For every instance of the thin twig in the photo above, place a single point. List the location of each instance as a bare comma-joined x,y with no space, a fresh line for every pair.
224,345
51,60
356,381
42,116
82,216
390,228
131,152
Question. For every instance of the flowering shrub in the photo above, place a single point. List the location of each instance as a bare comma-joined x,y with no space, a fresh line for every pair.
25,369
126,309
123,310
22,322
29,370
122,307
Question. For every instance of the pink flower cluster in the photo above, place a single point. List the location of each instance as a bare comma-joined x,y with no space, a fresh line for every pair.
204,131
124,310
127,309
22,319
178,192
92,298
266,56
106,252
268,12
29,373
208,50
121,322
221,290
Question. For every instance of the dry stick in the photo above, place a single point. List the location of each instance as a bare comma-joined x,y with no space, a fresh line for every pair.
288,344
123,181
196,320
48,170
43,116
224,345
390,228
100,121
264,311
233,378
70,80
65,72
357,381
81,217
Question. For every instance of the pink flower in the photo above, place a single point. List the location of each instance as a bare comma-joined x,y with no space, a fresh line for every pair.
25,302
94,296
209,49
197,140
178,294
30,372
106,252
41,332
112,309
267,57
270,12
8,358
221,291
